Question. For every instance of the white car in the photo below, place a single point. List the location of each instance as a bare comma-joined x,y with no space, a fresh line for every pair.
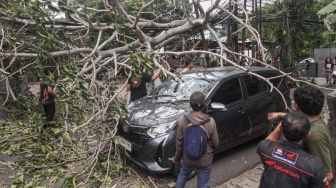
311,60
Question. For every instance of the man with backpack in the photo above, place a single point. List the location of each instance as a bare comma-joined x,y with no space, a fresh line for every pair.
196,139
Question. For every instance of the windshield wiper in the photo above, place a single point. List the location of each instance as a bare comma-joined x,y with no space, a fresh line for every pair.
166,95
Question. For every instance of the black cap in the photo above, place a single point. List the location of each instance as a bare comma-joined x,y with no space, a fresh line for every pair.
197,99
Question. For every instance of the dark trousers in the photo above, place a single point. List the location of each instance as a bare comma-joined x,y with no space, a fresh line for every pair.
49,110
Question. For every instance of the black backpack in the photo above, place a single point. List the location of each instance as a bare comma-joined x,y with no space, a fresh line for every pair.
195,140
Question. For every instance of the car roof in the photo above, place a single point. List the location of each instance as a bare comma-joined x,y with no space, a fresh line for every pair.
220,72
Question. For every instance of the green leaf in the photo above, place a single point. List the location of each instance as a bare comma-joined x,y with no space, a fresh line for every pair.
65,68
70,76
43,149
171,184
74,182
80,79
2,5
54,179
41,35
53,8
69,17
140,58
21,178
4,72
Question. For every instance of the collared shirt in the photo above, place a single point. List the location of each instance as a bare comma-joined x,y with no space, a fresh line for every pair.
286,164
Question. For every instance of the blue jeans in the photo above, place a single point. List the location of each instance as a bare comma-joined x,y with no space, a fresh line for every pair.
203,176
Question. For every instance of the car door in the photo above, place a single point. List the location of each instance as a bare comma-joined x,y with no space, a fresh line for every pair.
258,103
232,123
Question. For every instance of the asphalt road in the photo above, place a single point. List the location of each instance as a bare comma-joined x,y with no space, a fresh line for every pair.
231,163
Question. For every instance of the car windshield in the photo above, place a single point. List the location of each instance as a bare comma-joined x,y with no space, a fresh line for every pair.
181,90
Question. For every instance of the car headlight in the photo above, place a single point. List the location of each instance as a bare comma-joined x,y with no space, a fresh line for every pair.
162,129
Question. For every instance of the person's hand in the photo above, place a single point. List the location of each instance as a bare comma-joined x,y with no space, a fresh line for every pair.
57,96
275,115
173,160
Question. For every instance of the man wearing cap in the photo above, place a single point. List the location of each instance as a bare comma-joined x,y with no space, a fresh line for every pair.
202,164
188,66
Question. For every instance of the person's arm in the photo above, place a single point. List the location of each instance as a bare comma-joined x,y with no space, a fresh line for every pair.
275,115
274,136
129,86
321,150
319,179
51,92
157,74
214,137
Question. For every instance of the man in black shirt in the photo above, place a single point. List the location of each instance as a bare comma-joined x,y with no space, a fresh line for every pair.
137,85
48,96
286,164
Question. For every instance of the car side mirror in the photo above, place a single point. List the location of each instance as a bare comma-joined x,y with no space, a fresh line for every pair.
218,106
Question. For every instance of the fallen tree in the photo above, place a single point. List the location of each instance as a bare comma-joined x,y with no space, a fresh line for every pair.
79,40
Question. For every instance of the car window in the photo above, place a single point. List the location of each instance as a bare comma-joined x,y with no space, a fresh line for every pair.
254,85
228,92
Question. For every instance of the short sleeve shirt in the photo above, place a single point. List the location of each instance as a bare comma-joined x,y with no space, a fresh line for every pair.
286,164
328,66
138,86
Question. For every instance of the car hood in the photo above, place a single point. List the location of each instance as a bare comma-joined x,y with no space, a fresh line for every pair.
150,113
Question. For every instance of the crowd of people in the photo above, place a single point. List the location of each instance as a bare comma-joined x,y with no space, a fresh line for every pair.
329,70
298,153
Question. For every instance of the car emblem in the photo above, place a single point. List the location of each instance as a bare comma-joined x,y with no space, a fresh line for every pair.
125,128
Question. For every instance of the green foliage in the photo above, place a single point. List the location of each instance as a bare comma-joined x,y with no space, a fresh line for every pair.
295,28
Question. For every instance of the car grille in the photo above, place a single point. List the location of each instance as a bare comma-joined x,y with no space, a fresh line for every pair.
138,138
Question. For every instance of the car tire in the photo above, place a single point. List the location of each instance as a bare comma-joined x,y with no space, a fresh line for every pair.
177,168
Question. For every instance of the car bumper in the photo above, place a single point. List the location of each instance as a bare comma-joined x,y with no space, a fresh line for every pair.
147,156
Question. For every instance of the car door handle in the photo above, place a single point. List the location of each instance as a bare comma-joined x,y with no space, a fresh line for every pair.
242,110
